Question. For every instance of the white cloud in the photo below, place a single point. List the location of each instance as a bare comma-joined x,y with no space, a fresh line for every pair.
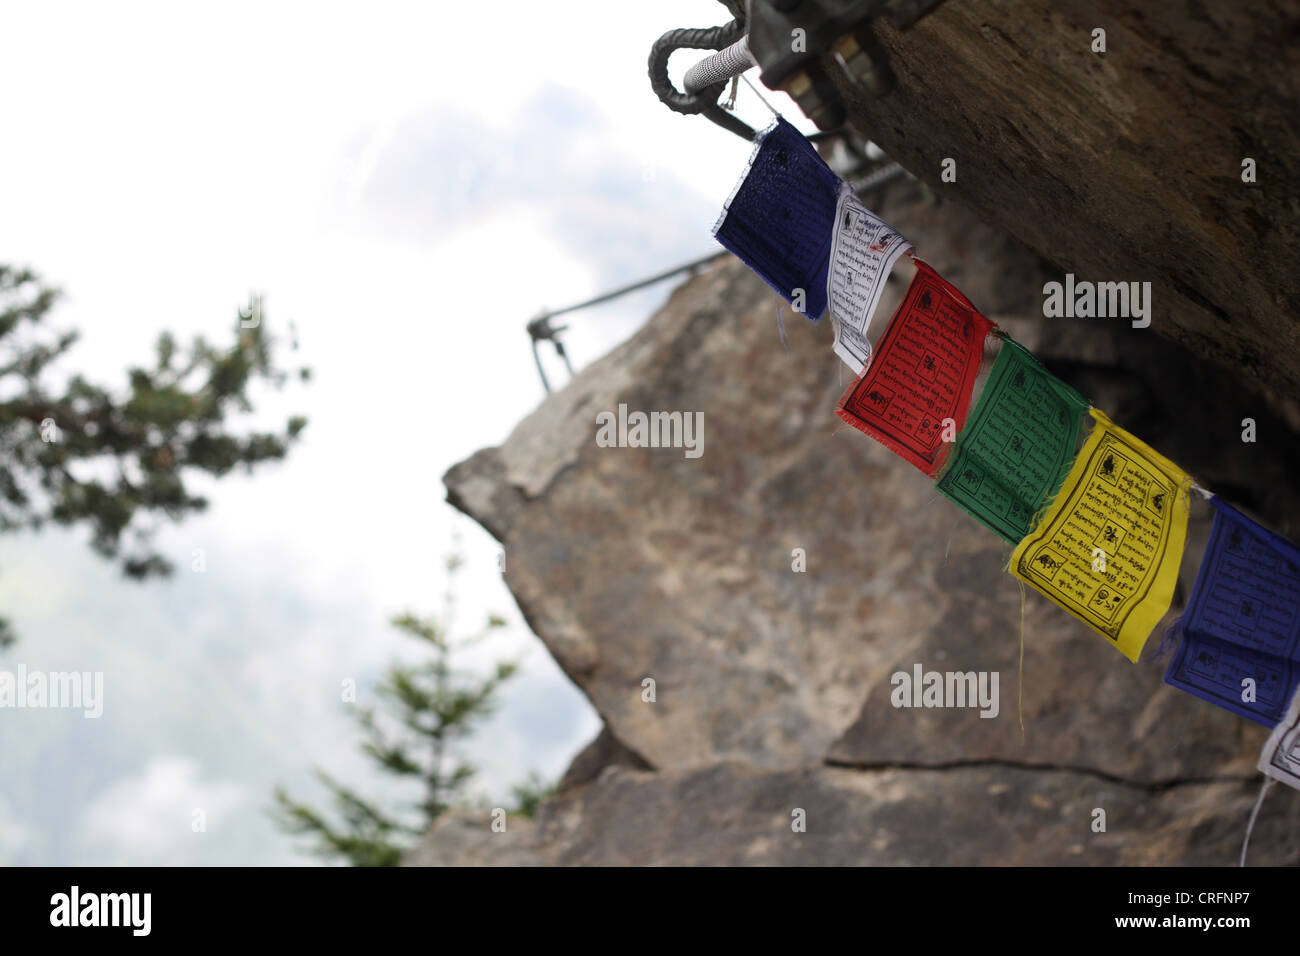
409,184
15,834
148,817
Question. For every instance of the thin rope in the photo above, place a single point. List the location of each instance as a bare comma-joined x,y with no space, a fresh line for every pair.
780,326
730,105
1259,802
951,532
759,95
1020,685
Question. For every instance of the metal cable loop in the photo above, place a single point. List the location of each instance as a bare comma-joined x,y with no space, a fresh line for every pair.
689,38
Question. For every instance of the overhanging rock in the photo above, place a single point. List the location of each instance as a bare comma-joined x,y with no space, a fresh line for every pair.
1123,165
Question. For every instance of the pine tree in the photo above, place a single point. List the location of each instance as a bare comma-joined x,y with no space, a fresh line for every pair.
435,705
119,460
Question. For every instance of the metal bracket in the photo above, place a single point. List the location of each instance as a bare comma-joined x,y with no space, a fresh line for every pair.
791,39
541,329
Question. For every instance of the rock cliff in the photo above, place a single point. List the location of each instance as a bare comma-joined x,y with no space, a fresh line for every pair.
771,686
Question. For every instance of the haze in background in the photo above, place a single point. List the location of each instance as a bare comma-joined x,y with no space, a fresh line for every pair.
408,185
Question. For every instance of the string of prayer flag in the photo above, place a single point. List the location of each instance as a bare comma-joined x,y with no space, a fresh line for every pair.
923,373
1108,548
780,218
1101,532
1241,630
1018,446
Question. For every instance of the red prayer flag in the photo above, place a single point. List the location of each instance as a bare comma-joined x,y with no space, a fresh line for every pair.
923,372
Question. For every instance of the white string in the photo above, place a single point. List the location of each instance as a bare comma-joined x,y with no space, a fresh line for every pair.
730,105
780,327
759,95
1268,785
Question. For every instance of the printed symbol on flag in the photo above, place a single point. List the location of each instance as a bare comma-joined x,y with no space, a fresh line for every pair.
927,425
1157,501
1017,513
1107,602
970,480
1050,560
1205,661
926,302
1109,538
1112,467
1018,380
1016,446
1291,569
1235,543
1247,609
928,367
880,397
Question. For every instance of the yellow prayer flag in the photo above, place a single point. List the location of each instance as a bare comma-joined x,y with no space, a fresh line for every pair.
1109,546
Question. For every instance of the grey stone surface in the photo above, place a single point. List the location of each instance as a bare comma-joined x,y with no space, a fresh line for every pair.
466,838
734,814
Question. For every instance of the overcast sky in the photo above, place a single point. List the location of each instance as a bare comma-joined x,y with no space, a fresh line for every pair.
408,184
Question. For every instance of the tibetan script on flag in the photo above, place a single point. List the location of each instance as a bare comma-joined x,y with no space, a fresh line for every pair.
1019,444
923,372
1241,630
1108,548
864,249
781,215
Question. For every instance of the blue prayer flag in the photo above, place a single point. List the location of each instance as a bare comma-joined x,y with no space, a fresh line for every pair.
780,219
1243,621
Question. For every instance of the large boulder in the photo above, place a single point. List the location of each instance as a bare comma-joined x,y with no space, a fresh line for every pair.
771,687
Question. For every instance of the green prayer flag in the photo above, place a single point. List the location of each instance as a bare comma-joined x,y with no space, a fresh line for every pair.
1017,447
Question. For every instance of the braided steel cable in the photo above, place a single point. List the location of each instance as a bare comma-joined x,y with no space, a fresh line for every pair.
720,67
